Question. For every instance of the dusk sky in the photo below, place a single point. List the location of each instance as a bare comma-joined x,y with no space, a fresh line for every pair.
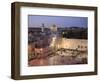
60,21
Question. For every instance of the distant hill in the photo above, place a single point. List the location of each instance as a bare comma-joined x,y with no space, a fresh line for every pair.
66,32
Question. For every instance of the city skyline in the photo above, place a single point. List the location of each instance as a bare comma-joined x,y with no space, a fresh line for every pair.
60,21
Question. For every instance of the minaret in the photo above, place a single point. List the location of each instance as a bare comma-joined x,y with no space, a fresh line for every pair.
43,26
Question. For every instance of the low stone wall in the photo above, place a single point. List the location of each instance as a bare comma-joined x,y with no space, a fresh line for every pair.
80,44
